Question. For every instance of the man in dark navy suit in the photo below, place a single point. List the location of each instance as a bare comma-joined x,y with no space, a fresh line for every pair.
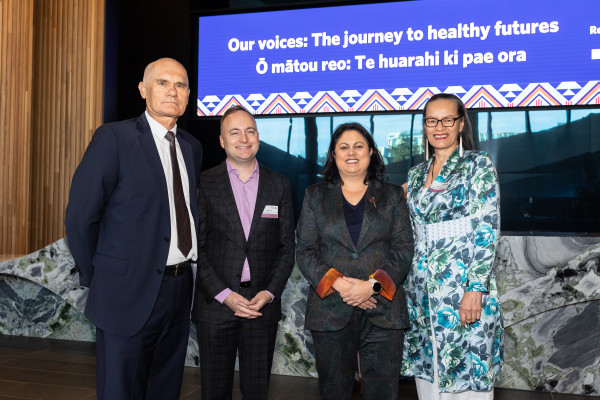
131,226
245,256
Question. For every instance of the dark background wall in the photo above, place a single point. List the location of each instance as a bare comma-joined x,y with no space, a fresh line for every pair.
137,33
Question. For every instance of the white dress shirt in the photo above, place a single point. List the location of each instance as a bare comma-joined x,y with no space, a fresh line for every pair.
163,147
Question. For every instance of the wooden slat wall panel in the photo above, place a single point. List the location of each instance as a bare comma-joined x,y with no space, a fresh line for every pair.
16,53
67,107
51,66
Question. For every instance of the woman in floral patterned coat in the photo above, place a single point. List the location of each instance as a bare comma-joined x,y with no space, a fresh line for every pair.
454,344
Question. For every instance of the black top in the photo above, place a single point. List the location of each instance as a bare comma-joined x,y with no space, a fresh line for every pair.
354,218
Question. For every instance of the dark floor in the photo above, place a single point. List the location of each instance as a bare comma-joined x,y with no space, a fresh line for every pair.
50,369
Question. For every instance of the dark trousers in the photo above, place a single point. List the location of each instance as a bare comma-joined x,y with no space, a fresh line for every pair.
219,344
148,365
380,358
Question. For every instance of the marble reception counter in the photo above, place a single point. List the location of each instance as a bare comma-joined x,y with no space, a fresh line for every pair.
550,296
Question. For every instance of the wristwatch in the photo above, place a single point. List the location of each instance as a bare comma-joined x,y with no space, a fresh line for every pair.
375,285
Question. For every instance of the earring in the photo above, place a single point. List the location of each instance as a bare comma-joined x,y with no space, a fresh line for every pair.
460,148
426,150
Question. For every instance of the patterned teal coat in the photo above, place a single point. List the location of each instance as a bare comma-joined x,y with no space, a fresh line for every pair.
455,230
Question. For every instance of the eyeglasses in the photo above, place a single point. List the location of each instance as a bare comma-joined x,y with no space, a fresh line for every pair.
446,122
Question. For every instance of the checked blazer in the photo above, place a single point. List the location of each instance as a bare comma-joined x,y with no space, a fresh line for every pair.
324,242
222,245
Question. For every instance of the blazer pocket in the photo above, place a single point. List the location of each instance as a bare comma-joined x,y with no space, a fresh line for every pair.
111,264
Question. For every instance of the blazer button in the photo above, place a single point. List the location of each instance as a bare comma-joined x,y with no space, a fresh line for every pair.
159,271
354,255
167,239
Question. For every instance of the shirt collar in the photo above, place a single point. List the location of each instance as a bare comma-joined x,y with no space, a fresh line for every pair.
157,129
231,169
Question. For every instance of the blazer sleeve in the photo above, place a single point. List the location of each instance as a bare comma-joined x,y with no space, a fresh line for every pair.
401,251
308,252
484,211
93,183
283,263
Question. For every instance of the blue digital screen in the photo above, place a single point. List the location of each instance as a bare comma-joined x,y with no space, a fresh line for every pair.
394,56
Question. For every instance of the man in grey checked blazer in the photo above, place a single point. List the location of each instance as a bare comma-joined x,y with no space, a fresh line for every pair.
245,256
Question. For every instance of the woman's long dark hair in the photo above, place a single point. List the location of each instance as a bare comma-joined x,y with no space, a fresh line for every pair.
376,169
467,132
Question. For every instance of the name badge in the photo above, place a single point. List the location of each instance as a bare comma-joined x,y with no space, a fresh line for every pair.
438,187
270,212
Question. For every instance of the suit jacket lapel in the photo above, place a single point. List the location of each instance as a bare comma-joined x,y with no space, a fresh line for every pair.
417,186
151,152
374,192
227,199
335,197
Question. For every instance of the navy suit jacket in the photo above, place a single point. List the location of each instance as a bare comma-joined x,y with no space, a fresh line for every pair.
118,224
222,244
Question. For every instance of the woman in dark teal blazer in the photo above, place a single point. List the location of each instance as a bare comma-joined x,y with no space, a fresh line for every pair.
355,246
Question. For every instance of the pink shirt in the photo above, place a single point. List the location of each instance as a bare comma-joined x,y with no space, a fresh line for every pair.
245,199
